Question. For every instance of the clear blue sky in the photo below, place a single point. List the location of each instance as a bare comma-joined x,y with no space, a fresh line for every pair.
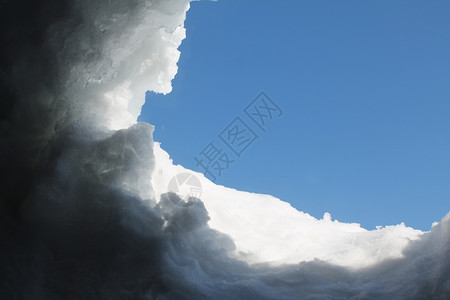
365,91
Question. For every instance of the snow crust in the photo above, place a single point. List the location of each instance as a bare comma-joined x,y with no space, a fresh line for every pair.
85,206
266,229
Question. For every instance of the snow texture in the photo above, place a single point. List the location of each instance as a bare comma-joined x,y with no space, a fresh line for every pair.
85,208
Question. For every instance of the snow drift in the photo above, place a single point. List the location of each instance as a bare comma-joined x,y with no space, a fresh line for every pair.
86,212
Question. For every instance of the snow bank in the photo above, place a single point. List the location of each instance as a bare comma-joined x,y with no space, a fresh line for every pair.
266,229
86,211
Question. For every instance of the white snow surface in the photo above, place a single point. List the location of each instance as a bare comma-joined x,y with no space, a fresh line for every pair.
85,209
266,229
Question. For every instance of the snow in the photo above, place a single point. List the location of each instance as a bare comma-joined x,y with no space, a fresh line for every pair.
268,230
86,211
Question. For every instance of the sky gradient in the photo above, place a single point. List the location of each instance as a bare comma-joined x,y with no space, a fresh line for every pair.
364,91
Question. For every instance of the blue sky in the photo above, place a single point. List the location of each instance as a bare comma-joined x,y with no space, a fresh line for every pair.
365,93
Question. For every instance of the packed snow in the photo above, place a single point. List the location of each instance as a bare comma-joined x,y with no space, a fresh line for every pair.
88,210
